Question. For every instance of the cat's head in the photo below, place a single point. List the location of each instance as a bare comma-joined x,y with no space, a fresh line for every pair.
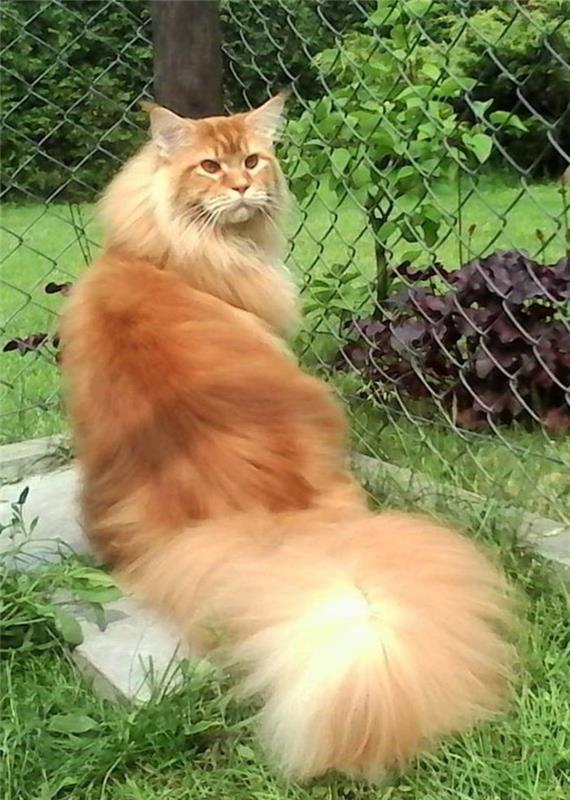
221,170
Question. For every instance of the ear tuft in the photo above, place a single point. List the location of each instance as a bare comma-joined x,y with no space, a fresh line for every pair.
267,120
168,130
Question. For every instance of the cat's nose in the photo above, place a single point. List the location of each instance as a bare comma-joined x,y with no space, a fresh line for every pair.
241,188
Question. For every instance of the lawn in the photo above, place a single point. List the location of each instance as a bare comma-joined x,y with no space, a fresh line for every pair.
528,467
60,741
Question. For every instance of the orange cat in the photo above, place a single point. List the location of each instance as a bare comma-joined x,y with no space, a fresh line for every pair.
215,478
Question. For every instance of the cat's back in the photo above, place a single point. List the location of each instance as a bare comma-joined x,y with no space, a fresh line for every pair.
127,293
175,394
128,314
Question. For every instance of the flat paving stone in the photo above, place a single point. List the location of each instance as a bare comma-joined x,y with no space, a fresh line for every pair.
135,652
548,538
555,547
52,499
32,456
134,656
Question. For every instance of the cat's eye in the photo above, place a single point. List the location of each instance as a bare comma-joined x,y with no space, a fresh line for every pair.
211,166
251,161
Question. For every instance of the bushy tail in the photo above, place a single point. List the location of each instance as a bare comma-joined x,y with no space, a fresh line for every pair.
367,640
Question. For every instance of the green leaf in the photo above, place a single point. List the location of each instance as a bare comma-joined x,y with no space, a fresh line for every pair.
300,169
385,231
368,121
454,85
67,626
480,106
93,576
360,195
418,8
339,160
406,172
448,88
71,723
23,496
508,120
430,230
99,594
406,204
332,185
431,71
360,176
99,614
246,752
412,255
415,102
481,145
200,727
339,303
409,233
324,296
431,211
336,270
384,15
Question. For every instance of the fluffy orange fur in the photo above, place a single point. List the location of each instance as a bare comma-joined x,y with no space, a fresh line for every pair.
215,479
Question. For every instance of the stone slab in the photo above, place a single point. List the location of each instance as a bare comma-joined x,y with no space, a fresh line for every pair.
547,537
52,499
21,459
135,656
135,652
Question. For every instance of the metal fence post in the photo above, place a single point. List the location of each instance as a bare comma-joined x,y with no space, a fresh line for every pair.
187,56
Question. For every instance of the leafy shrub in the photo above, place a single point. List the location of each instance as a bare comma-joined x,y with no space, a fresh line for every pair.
73,71
387,130
72,75
489,342
271,44
520,55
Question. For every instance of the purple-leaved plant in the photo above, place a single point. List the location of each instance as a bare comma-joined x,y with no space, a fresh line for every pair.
489,341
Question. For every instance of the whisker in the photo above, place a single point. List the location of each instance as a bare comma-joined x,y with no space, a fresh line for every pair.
200,224
270,219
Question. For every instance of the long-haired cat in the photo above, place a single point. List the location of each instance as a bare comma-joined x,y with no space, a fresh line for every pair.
215,478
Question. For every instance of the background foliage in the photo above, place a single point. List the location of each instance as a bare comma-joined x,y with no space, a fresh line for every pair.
70,99
68,96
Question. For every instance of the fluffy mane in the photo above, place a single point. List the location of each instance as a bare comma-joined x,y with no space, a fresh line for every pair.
241,263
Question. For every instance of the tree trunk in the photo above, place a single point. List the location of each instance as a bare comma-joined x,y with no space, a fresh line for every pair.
187,56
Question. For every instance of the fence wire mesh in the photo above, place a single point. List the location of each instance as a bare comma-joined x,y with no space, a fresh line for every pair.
428,148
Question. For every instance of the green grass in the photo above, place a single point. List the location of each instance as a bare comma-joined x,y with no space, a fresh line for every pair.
198,742
501,212
526,466
39,244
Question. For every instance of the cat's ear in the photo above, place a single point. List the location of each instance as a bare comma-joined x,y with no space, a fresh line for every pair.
267,120
168,130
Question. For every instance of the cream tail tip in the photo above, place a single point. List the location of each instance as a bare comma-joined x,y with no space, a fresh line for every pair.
347,688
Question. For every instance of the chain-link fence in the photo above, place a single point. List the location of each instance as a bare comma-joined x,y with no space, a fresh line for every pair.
427,146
